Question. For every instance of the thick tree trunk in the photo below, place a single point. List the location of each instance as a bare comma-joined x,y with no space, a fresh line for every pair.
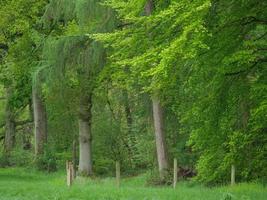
160,137
10,126
40,120
85,136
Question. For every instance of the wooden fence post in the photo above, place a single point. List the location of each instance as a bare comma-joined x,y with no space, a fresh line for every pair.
69,168
233,175
175,170
118,173
74,158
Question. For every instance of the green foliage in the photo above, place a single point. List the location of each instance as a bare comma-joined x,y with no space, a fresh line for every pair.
46,161
153,178
21,158
17,157
204,59
4,161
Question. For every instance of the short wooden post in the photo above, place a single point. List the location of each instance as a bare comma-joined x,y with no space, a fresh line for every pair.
69,168
74,158
233,175
118,173
175,170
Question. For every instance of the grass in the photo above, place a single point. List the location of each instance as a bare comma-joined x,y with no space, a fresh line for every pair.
25,184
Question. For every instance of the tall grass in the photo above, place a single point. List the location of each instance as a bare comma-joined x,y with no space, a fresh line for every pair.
22,184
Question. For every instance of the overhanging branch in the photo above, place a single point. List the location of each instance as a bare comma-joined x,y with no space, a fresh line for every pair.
245,70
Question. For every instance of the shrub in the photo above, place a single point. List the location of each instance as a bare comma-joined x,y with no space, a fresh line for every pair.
47,161
153,178
4,161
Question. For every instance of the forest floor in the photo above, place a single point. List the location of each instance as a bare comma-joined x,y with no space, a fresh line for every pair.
26,184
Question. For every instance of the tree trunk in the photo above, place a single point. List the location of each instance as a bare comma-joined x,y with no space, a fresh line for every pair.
127,110
27,135
131,140
149,7
85,136
10,126
40,120
160,137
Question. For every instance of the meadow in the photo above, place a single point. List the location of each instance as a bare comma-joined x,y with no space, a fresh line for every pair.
28,184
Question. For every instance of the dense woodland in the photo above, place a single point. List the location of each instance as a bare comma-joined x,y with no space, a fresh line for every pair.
136,81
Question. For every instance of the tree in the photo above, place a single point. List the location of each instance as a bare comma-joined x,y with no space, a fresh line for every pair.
18,41
80,58
149,45
158,120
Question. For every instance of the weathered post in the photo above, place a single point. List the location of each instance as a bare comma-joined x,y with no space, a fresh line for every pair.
232,175
69,168
175,170
118,173
74,158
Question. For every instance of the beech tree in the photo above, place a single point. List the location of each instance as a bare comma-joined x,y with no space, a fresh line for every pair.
158,119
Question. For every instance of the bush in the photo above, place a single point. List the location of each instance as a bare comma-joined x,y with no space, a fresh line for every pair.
104,166
47,161
21,158
18,157
4,161
153,178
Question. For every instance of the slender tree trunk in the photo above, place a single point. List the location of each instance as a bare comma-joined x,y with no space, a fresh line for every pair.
130,142
85,136
10,126
158,119
40,120
27,135
160,137
127,110
149,7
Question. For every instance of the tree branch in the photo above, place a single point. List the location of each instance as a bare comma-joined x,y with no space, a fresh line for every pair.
252,19
245,70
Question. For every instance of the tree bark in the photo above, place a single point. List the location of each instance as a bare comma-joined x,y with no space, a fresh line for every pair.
74,157
127,110
40,120
149,7
85,136
10,126
160,137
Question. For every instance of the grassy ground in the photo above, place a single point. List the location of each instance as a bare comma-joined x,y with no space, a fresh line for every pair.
21,184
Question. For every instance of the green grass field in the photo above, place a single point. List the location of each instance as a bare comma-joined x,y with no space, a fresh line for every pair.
22,184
